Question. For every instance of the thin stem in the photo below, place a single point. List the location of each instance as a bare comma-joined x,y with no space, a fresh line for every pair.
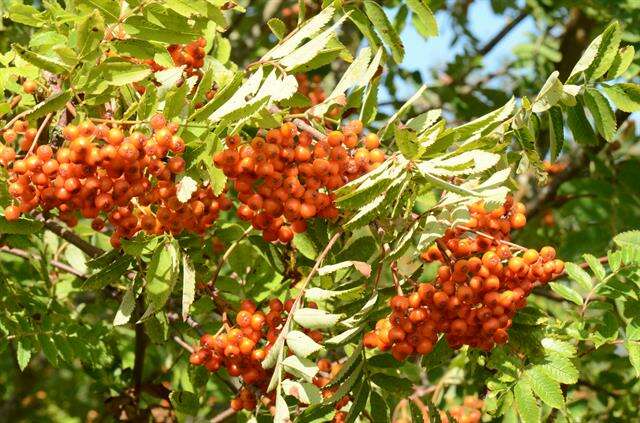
224,415
226,255
55,263
510,244
140,349
39,133
304,126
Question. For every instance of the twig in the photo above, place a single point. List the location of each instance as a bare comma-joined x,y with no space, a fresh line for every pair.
183,344
503,33
443,250
39,133
510,244
73,238
304,126
226,255
222,416
55,263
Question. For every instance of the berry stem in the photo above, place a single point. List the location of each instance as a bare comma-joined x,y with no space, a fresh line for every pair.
39,133
510,244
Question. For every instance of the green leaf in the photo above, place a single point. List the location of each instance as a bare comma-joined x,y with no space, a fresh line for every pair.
560,369
352,365
161,276
342,338
600,54
49,349
301,344
20,226
51,104
566,292
108,275
110,9
319,294
128,304
526,404
363,24
625,96
577,274
90,33
25,14
306,52
306,393
406,139
360,266
559,347
633,348
278,27
596,267
379,406
282,409
185,402
385,29
556,132
308,30
550,94
398,385
140,28
621,62
221,97
632,331
602,114
580,127
346,385
303,243
188,285
175,101
629,238
424,19
607,51
23,353
311,318
545,388
300,367
50,64
359,401
120,72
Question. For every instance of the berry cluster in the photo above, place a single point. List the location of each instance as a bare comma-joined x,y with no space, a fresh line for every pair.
480,285
242,348
285,178
469,412
101,171
190,55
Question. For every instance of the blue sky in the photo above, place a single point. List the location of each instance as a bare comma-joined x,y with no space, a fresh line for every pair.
436,52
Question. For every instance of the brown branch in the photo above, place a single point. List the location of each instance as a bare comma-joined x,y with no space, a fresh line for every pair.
304,126
493,42
55,263
72,238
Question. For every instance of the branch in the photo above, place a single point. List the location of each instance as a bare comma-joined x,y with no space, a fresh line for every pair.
503,33
73,238
55,263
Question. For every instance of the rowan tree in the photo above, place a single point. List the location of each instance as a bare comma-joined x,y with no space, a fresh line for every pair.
229,211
